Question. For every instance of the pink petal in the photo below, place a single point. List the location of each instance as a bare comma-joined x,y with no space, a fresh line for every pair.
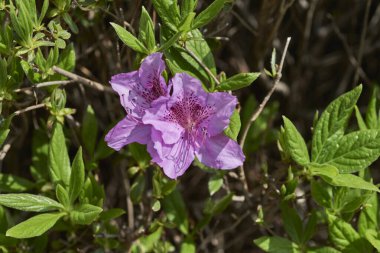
220,152
175,159
127,131
155,116
185,85
224,105
151,70
123,84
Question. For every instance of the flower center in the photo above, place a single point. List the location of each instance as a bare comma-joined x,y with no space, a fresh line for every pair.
189,112
155,90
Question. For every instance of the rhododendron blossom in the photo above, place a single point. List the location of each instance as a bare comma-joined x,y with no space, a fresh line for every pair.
137,90
190,123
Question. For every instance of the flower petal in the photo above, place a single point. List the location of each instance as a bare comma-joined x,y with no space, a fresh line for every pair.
185,85
224,105
151,70
176,158
128,130
155,116
123,84
220,152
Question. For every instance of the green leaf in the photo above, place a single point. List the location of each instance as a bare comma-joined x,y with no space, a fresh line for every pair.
3,222
185,25
85,214
352,152
77,177
347,200
67,58
34,226
310,228
40,154
321,193
208,14
369,216
187,7
168,12
138,188
188,246
128,39
140,154
70,22
344,236
275,244
273,64
220,205
371,115
146,30
11,183
62,196
89,130
359,119
292,223
4,127
323,250
170,42
111,214
233,128
374,238
178,60
175,210
147,243
333,119
296,144
215,183
59,163
323,170
156,206
330,175
238,81
44,9
29,202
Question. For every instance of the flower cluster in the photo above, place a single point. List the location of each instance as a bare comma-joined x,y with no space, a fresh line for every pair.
177,121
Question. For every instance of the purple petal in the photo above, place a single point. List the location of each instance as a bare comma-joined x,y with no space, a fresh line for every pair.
224,105
220,152
150,74
171,131
154,149
123,84
175,159
185,85
128,130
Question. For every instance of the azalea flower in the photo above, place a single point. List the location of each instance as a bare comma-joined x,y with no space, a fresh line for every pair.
190,123
137,90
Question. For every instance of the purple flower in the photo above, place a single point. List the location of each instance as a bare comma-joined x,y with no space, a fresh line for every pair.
190,123
137,91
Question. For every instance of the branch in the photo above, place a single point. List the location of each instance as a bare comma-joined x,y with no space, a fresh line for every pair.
199,61
27,109
362,41
80,79
44,84
260,109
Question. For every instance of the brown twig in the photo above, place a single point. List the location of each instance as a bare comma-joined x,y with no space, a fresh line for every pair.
362,41
27,109
44,84
259,110
199,61
83,80
350,55
130,209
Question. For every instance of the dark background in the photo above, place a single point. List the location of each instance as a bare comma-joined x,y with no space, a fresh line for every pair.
335,46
